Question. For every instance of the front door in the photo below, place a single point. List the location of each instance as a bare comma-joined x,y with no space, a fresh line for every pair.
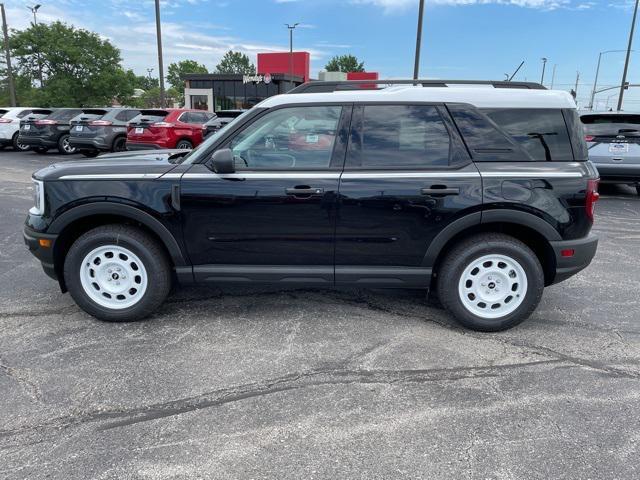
272,220
407,176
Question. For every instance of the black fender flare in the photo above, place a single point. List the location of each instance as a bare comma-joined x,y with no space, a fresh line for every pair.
514,217
133,213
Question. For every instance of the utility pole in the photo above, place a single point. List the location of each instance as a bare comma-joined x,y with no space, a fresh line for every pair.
12,87
544,65
416,65
595,82
291,29
626,62
34,9
160,65
553,75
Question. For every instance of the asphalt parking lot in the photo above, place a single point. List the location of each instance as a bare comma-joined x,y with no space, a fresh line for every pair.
269,383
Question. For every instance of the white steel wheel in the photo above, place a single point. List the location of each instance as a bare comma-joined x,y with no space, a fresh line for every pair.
113,277
492,286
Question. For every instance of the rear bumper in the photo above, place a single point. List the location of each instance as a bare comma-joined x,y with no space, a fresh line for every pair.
44,254
619,172
584,250
145,146
95,143
34,141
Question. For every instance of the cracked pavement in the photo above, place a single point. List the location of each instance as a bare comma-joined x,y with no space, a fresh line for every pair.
271,383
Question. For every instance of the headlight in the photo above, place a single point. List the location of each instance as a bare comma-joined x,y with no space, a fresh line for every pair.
38,198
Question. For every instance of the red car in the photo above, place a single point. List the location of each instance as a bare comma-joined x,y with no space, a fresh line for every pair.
166,128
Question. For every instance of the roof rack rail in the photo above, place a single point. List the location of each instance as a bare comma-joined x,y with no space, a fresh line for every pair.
317,86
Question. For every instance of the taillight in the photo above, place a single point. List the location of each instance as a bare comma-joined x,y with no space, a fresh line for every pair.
589,138
46,122
5,120
100,123
162,124
592,197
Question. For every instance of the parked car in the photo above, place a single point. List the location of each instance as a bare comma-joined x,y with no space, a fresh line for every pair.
10,125
49,132
219,120
484,195
98,130
168,128
613,139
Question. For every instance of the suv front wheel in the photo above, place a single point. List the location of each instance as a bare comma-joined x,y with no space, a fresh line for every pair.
117,273
490,282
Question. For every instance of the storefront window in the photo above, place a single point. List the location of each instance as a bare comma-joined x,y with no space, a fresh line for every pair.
200,102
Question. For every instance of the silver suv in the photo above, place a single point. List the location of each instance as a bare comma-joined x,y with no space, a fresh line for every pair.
98,130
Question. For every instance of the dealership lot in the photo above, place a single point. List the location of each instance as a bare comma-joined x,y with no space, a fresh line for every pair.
271,383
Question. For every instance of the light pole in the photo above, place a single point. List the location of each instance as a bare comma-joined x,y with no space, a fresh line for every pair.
626,62
553,75
291,29
544,65
34,9
595,82
160,65
416,65
12,87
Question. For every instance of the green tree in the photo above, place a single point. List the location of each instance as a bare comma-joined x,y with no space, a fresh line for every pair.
344,63
79,68
236,62
176,72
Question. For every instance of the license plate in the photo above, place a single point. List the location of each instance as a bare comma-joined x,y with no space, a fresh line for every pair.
139,130
78,128
618,148
27,127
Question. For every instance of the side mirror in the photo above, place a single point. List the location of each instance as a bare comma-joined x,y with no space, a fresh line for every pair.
222,161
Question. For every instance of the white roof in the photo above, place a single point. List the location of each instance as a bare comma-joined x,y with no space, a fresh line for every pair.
481,97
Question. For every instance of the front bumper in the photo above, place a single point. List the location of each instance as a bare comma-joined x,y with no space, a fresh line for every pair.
34,141
584,250
44,254
619,172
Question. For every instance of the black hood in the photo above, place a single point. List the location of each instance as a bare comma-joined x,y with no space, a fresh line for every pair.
151,162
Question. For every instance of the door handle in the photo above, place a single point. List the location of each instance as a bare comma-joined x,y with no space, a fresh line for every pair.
437,191
304,191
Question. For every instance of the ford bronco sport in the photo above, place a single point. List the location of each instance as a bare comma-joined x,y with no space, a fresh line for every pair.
483,194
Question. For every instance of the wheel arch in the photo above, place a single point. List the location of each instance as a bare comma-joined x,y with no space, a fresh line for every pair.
529,229
78,220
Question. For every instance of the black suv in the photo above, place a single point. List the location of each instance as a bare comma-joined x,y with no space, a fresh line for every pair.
482,194
49,132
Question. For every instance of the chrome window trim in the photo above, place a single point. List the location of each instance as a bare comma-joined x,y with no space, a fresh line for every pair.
112,176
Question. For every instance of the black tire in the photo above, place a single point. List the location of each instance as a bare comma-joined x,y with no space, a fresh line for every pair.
184,144
63,145
463,254
152,256
90,153
119,144
17,146
40,150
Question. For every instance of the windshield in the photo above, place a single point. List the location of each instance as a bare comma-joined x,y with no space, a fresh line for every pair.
195,154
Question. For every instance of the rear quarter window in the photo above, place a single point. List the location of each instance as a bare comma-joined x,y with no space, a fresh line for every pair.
541,132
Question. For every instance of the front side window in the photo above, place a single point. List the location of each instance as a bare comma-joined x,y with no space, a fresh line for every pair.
399,136
541,132
288,138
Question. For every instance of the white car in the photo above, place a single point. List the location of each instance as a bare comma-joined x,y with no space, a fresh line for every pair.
10,125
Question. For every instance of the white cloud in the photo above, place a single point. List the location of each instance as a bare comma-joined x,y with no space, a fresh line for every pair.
390,6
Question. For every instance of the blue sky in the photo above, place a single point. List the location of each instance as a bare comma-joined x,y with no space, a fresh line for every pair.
467,39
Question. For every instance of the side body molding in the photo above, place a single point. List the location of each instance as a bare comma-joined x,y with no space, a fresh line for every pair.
110,208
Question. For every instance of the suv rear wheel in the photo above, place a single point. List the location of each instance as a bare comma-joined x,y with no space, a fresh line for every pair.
184,145
117,273
19,146
490,282
64,147
119,144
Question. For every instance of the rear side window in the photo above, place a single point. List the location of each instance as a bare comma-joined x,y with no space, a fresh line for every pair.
541,132
23,113
399,136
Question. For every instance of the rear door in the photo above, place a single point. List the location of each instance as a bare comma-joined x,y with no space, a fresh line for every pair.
274,218
407,176
613,138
